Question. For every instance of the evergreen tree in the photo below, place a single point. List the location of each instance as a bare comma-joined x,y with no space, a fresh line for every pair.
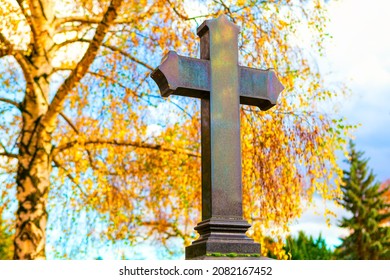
6,242
369,238
305,247
302,247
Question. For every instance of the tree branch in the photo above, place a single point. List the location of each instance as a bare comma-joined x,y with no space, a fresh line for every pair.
185,17
126,54
177,12
5,154
69,122
142,145
19,57
82,67
6,48
64,147
81,19
23,7
5,52
113,48
134,144
109,79
40,24
58,165
95,20
6,100
56,47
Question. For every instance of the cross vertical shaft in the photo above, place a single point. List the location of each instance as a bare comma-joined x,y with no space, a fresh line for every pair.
221,152
222,229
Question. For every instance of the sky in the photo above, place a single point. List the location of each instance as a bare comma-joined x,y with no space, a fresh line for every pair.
359,55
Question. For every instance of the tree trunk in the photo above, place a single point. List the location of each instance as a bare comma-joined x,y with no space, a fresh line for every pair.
33,175
35,141
32,190
39,122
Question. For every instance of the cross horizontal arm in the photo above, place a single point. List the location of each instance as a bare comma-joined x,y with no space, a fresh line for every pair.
185,76
180,75
259,88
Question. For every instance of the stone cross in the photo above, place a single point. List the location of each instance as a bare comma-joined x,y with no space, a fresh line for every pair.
222,85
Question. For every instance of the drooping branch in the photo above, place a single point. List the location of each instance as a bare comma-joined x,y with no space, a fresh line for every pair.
134,144
82,67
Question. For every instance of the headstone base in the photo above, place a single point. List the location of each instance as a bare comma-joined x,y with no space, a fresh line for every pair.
231,258
223,237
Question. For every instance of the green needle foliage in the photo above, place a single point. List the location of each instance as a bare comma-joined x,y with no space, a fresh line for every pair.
369,237
6,246
306,247
303,247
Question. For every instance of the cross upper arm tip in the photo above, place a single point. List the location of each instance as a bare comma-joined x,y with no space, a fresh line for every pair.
169,54
222,20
